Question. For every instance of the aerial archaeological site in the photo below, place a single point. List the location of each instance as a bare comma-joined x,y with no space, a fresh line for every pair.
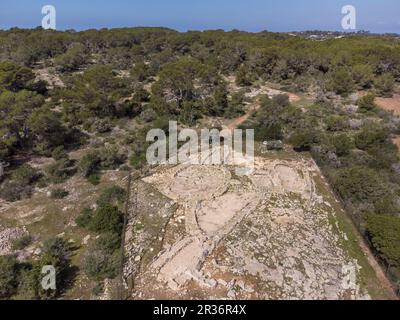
308,208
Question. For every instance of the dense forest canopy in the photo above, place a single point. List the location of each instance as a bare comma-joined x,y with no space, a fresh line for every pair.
187,66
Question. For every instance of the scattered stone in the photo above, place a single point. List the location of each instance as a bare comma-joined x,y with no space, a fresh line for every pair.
85,240
7,236
222,282
231,295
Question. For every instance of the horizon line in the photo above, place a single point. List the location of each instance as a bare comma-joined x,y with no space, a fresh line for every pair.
357,31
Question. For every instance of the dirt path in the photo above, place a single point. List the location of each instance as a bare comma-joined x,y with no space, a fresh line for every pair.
256,105
242,119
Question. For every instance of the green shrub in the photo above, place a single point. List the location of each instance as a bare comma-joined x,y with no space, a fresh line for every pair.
8,276
55,252
360,185
370,137
139,72
363,75
107,219
113,195
125,167
85,218
102,126
303,139
25,175
58,194
14,191
27,285
138,161
341,81
281,100
148,115
236,105
59,153
94,179
105,158
20,184
72,59
242,77
89,164
367,103
21,243
383,156
343,144
99,264
98,289
111,157
108,242
60,171
336,123
387,205
271,132
385,85
384,232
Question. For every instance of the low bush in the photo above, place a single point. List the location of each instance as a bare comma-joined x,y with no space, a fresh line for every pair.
85,218
94,179
384,233
367,103
89,164
58,194
8,276
14,191
99,264
25,175
21,243
114,195
107,219
60,171
59,153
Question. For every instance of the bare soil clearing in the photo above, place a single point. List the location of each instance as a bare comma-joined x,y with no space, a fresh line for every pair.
265,89
253,107
50,76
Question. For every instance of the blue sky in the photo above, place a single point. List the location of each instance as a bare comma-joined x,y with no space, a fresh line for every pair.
248,15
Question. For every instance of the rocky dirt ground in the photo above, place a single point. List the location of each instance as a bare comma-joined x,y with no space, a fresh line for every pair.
200,231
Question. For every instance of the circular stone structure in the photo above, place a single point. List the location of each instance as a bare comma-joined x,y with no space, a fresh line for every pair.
192,183
199,182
